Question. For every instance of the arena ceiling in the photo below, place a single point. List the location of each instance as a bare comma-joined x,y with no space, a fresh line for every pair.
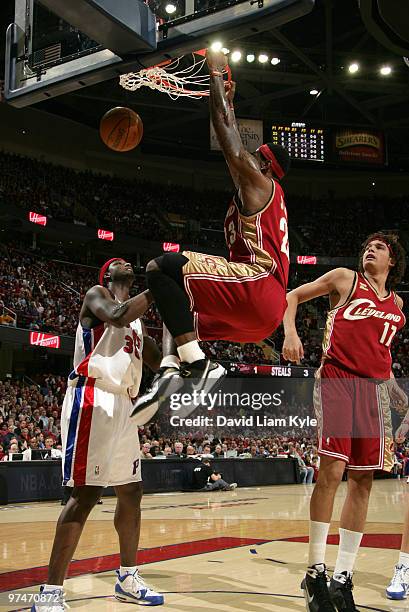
314,53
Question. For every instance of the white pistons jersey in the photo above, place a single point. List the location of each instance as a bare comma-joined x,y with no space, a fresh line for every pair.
110,355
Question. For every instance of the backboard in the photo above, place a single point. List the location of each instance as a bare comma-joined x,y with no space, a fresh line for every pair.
47,56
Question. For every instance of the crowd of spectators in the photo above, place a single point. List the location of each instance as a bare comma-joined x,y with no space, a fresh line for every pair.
150,210
30,414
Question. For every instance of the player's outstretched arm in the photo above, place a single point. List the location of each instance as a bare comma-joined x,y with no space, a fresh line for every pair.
336,283
99,302
243,166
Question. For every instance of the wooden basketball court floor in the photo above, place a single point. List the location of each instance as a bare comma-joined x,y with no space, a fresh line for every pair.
244,550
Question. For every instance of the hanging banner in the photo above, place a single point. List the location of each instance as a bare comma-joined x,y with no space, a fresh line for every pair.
359,146
251,132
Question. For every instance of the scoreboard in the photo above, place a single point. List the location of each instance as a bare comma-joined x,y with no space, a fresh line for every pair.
301,141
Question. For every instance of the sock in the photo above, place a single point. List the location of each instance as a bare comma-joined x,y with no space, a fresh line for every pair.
172,303
403,559
318,542
127,570
170,361
191,352
52,587
349,543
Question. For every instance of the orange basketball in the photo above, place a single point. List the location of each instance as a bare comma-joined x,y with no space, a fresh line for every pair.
121,129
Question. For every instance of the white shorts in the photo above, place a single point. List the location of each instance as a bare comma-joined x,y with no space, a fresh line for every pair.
100,441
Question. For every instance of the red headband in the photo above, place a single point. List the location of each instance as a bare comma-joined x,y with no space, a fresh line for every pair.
105,267
267,153
382,239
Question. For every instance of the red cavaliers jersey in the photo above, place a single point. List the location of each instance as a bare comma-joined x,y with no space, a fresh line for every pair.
261,238
359,333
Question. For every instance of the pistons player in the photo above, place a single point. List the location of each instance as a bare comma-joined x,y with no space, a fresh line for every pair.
243,298
100,443
353,393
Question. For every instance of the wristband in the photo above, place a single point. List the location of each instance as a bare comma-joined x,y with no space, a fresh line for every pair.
216,73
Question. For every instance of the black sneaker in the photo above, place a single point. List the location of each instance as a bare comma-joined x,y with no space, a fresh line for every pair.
315,587
202,375
166,381
340,589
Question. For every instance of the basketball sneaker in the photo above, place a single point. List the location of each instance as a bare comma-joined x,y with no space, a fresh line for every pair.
202,375
50,601
167,380
315,587
340,589
399,585
133,589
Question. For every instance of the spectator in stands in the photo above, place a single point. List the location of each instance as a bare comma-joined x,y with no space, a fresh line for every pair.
177,452
145,451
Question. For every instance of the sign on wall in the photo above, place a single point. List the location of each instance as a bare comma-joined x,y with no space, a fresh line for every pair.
251,132
361,146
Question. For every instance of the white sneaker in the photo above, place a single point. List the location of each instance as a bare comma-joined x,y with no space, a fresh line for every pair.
233,486
399,585
132,588
50,601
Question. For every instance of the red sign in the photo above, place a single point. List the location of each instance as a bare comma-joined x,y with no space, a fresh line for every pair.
47,340
307,259
360,146
171,247
36,218
105,235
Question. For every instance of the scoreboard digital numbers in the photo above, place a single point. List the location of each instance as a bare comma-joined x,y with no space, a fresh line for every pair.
302,142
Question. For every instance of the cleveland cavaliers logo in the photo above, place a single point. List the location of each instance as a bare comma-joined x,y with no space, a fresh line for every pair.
364,309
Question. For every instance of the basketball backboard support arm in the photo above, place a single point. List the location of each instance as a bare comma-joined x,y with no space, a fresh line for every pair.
24,87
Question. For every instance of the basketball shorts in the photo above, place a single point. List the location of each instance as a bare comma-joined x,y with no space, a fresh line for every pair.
100,441
354,419
232,301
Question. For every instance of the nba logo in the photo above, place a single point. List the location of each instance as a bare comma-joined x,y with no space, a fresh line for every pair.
97,470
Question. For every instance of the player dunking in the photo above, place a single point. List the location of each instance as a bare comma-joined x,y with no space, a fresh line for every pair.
352,396
243,299
100,443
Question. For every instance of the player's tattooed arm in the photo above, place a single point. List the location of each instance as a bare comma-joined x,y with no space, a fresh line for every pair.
151,354
336,283
98,304
243,166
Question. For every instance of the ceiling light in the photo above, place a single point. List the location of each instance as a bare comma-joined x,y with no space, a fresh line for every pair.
225,50
353,68
275,61
385,70
263,58
170,8
216,46
314,92
235,56
250,57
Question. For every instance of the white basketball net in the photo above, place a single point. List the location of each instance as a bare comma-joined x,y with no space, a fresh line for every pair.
170,79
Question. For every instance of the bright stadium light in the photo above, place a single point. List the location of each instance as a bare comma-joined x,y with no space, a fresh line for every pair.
263,58
275,61
385,70
216,46
314,92
251,57
236,56
353,68
170,8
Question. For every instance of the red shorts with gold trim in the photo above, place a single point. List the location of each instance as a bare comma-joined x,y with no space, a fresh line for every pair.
232,301
354,419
